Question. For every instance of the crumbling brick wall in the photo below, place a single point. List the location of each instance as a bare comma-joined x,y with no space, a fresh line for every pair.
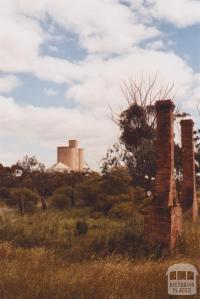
163,217
165,192
188,195
176,225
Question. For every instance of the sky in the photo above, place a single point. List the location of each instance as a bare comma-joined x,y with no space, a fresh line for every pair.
63,63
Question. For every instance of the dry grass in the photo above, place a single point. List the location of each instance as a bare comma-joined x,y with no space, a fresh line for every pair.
192,239
55,230
37,273
49,269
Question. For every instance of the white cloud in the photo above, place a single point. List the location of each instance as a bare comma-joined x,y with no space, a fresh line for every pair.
20,38
101,81
111,34
49,127
155,45
179,12
8,83
56,69
104,26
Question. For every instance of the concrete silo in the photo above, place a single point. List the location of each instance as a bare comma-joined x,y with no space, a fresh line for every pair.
62,154
81,158
71,156
73,143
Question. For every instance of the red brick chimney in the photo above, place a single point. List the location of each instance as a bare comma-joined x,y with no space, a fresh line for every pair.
188,197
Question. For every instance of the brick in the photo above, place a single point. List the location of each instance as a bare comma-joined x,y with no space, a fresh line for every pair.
163,219
188,194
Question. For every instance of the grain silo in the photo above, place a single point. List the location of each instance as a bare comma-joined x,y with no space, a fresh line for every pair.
71,156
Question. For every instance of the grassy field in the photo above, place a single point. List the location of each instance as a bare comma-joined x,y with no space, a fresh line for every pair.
43,256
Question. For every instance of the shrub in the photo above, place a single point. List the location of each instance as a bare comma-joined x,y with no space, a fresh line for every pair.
116,181
4,192
90,189
81,227
105,202
63,198
24,199
60,201
122,210
64,191
138,195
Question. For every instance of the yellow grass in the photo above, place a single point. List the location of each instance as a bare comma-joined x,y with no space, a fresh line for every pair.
37,273
44,272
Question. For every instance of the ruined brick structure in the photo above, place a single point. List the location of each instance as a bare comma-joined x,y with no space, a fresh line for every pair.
163,219
188,196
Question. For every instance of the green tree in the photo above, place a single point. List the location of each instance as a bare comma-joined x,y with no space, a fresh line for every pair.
117,181
137,124
30,164
23,199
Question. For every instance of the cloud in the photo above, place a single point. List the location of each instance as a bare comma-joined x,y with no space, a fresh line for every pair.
180,13
120,32
20,39
101,83
104,26
46,128
119,41
9,83
22,35
155,45
56,69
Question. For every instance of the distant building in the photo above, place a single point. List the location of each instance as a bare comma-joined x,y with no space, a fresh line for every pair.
59,167
69,158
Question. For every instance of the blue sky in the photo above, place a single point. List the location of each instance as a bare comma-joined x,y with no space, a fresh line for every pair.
62,64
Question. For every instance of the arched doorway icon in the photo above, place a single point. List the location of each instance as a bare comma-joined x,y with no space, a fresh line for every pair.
182,279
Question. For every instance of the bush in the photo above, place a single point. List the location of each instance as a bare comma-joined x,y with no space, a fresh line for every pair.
64,191
122,210
81,227
63,198
90,189
60,201
105,202
24,199
138,195
117,181
4,192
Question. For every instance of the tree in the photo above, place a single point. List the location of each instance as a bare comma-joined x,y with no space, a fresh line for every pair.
61,198
137,124
24,199
90,188
115,157
30,164
117,181
138,121
27,171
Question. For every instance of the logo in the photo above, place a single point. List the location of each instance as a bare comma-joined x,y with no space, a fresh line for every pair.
182,279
